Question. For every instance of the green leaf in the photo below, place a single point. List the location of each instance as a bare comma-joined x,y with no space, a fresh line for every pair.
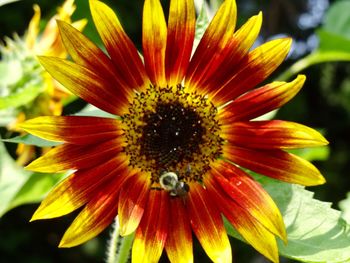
22,96
34,189
5,2
313,154
91,110
316,232
18,187
330,41
202,23
10,72
337,19
344,206
29,139
12,178
6,117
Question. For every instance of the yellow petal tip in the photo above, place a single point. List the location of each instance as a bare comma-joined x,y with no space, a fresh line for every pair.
63,244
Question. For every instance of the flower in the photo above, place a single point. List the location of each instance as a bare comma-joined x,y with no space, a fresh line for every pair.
170,162
47,95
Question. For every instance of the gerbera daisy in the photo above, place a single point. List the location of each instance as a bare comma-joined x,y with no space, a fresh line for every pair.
170,163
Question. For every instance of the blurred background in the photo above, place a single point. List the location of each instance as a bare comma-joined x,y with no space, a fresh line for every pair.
323,103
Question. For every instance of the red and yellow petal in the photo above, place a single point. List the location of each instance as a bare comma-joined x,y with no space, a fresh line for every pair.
207,224
213,47
87,54
73,157
262,100
255,68
123,53
276,164
97,215
238,48
248,226
132,202
181,29
154,41
245,191
152,232
179,240
78,189
274,134
86,84
73,129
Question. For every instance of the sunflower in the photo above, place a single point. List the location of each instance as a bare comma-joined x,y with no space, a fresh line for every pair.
169,164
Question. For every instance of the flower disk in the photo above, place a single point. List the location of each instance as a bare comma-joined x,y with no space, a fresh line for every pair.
169,129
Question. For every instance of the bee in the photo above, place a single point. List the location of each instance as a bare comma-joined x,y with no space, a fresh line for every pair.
170,182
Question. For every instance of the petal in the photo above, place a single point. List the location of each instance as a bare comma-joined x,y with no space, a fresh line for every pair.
87,54
247,225
207,224
154,38
273,134
33,28
276,164
86,84
77,189
238,48
243,189
179,241
132,202
213,47
181,29
72,157
96,216
255,68
121,49
152,233
73,129
262,100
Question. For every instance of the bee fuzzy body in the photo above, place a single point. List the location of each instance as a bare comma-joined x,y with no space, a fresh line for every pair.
170,182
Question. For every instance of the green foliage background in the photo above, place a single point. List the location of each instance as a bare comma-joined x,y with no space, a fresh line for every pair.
323,103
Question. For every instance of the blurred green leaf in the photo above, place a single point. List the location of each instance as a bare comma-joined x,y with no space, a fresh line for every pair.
5,2
18,187
6,117
316,232
32,140
12,178
34,189
337,19
91,110
330,41
267,116
313,154
202,23
10,72
344,206
334,38
22,96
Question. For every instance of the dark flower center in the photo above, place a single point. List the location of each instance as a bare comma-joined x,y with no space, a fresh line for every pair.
171,131
171,134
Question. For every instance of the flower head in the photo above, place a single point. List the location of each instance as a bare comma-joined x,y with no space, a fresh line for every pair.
171,162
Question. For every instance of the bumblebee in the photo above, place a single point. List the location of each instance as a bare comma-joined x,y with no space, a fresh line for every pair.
170,182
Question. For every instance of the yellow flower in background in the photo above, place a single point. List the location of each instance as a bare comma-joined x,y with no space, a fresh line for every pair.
48,42
170,165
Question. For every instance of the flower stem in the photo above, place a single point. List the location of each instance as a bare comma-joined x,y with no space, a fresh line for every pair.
312,59
112,244
118,249
125,247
